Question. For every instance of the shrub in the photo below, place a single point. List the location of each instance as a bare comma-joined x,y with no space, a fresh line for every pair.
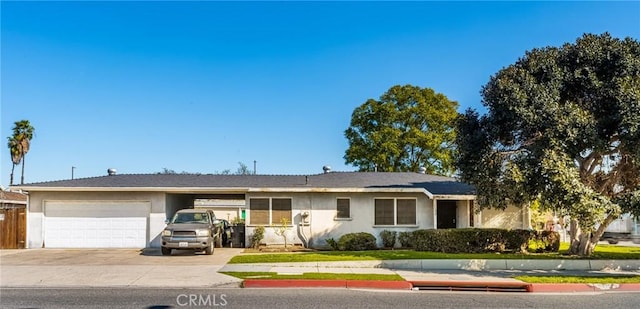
406,239
518,240
471,240
258,235
332,243
388,238
357,242
281,230
545,241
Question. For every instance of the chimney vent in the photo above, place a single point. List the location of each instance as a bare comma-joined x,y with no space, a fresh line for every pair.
112,171
326,169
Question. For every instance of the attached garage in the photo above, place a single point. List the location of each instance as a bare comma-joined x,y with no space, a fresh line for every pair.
96,224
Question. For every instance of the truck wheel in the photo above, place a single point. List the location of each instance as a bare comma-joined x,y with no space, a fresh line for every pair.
209,249
165,251
612,241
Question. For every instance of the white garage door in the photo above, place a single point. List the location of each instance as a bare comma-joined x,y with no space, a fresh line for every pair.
90,224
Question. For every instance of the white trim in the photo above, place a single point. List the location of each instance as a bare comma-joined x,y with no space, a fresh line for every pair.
435,214
398,226
193,190
13,202
455,197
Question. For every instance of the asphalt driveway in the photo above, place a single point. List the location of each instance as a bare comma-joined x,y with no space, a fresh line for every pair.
114,268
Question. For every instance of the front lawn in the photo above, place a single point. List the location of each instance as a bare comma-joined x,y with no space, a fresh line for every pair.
315,276
603,252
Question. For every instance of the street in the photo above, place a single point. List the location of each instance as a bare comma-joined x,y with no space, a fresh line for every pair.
299,298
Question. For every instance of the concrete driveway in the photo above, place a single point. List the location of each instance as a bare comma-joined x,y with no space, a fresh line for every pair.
114,268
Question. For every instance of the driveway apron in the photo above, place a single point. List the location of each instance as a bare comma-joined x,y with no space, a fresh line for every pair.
114,268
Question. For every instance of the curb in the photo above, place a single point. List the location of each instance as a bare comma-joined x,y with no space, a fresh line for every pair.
487,286
583,287
311,283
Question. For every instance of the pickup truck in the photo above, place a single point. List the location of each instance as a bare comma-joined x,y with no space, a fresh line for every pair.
191,229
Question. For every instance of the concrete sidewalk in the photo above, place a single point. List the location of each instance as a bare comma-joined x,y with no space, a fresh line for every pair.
452,275
148,268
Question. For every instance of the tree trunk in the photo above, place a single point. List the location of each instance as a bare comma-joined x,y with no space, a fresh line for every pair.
13,167
583,244
22,175
574,237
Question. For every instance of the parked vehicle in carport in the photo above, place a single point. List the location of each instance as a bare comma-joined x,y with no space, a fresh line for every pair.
192,229
225,229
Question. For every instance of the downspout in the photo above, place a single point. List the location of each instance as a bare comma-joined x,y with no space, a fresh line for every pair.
301,225
304,221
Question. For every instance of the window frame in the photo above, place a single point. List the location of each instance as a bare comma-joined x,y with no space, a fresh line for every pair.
395,212
337,217
270,211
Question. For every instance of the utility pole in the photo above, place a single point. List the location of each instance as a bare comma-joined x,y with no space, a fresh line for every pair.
254,166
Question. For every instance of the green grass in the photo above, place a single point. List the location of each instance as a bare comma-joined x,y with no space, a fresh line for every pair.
614,252
603,252
316,276
580,279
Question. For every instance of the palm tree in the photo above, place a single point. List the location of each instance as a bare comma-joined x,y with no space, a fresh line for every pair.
22,133
16,157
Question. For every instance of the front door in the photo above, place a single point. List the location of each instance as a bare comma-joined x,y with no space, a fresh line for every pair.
447,214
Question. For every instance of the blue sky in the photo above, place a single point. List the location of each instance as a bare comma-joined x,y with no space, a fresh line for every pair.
201,86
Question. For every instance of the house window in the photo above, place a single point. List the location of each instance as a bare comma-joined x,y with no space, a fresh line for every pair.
280,208
384,212
406,211
265,211
259,210
395,212
343,208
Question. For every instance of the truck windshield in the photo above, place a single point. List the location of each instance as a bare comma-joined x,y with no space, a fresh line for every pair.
191,218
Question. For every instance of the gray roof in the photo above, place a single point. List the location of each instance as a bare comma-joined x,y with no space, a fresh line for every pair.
438,185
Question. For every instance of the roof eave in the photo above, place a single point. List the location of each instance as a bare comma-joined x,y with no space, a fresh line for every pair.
135,189
454,196
196,190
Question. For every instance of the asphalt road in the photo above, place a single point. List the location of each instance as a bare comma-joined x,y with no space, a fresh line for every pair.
301,298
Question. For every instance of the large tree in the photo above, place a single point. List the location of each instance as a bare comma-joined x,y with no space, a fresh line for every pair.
563,129
19,144
407,128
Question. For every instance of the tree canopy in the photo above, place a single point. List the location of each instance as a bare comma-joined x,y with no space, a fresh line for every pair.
407,128
19,144
562,128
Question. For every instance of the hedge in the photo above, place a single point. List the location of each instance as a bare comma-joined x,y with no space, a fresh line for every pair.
472,240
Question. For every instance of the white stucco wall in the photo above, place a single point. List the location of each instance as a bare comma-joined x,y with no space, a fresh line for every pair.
511,218
322,217
462,214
